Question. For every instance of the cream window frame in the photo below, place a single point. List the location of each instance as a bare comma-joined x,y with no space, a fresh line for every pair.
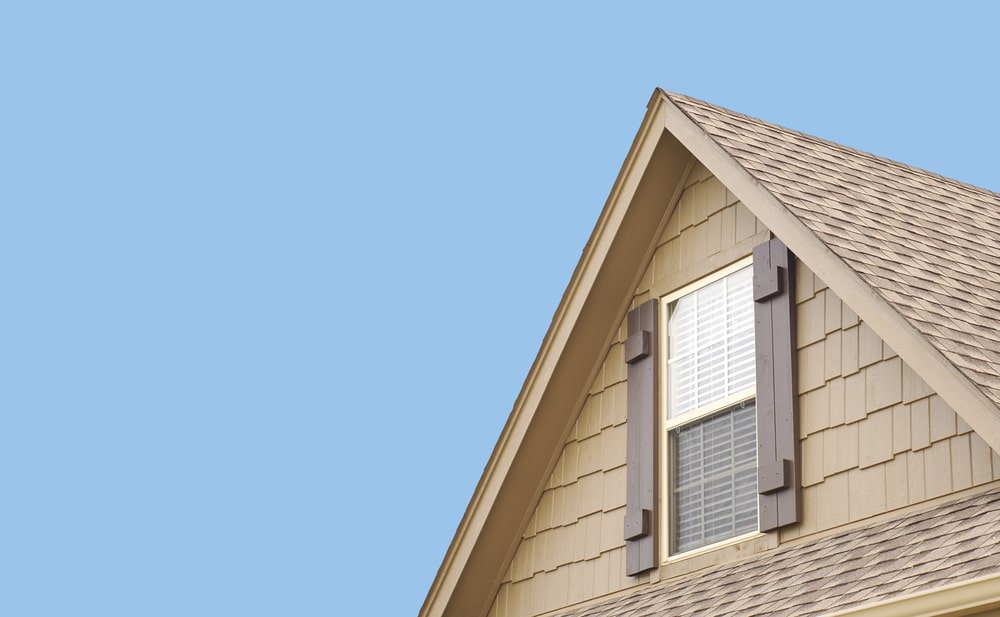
668,424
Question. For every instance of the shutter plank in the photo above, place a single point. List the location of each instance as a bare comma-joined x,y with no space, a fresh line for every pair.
777,399
642,351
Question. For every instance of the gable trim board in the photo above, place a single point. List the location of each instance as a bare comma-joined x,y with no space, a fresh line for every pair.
937,371
594,303
586,322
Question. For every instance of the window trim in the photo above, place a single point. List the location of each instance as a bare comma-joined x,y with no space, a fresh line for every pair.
668,424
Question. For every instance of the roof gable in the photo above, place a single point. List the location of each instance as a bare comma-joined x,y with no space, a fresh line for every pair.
761,166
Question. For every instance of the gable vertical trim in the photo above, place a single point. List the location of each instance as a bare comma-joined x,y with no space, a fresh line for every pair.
777,397
641,355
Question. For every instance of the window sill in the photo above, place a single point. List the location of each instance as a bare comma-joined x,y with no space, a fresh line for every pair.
722,552
708,548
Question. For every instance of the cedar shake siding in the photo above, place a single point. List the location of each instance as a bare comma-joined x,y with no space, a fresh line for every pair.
873,436
827,575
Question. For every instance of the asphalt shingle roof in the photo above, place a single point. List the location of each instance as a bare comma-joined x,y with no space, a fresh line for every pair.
919,551
929,245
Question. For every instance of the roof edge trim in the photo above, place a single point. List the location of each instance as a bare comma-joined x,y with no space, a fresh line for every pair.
582,282
929,363
964,598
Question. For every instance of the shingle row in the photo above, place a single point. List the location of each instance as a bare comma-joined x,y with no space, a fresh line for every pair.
920,551
928,244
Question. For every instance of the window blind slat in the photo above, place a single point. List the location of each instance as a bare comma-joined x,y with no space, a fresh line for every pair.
711,343
715,481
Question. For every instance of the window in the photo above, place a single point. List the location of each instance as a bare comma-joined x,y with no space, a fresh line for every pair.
713,450
711,412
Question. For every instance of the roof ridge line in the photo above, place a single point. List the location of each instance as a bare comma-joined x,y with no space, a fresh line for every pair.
677,97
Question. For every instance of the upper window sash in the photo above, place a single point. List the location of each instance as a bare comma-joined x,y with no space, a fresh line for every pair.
710,344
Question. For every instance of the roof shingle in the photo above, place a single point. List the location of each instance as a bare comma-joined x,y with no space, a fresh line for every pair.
919,551
929,245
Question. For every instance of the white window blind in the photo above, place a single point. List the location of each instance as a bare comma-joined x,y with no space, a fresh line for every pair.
715,478
711,343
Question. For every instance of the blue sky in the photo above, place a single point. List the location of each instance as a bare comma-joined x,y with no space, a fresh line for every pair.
273,273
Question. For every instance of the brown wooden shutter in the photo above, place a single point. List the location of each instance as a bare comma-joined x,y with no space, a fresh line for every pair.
778,475
642,357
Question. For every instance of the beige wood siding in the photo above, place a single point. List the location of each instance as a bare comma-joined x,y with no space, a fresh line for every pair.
874,436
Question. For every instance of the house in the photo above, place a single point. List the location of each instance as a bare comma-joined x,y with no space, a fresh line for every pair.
772,387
